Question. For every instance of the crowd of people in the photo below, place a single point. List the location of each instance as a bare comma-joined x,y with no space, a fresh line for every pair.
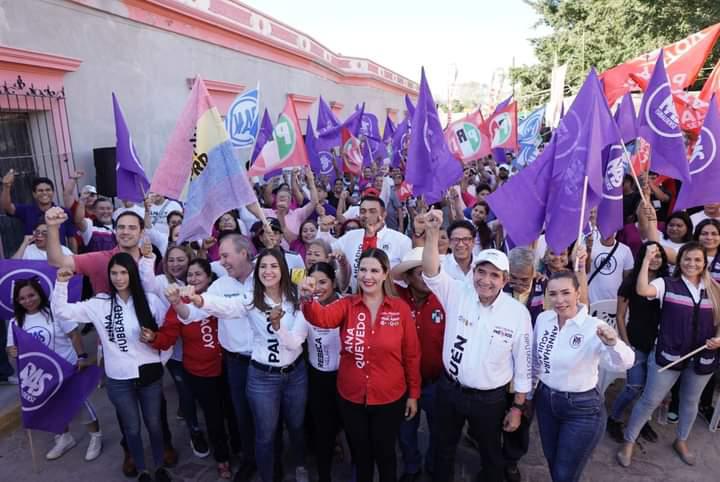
353,307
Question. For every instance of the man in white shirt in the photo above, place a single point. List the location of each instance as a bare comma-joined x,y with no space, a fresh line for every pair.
235,336
458,265
611,261
373,235
486,346
710,211
159,210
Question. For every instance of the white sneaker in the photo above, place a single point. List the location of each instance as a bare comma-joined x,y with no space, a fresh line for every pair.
301,474
94,446
63,443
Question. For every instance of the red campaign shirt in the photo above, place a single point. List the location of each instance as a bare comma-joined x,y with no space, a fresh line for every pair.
202,355
380,363
430,325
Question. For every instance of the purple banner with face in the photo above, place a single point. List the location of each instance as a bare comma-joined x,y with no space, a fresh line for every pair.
51,389
12,270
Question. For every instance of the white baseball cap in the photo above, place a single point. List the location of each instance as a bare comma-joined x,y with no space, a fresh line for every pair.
89,188
494,257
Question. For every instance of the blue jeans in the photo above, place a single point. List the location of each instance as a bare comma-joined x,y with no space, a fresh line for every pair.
236,368
571,425
125,395
185,396
657,387
408,439
634,384
269,395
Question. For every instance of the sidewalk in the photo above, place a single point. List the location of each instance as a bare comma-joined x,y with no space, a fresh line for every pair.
654,463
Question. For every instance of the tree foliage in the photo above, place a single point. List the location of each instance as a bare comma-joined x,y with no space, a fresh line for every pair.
604,33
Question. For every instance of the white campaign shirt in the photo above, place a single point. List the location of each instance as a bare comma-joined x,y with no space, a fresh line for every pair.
234,333
700,216
394,243
452,268
159,212
156,284
269,347
119,331
567,360
484,347
324,348
52,331
605,284
32,252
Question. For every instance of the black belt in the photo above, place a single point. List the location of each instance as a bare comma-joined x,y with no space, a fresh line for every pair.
235,355
465,389
272,369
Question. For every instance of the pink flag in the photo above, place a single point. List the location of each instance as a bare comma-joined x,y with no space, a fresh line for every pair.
174,168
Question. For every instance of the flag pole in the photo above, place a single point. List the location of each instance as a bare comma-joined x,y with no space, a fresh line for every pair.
32,451
632,171
581,224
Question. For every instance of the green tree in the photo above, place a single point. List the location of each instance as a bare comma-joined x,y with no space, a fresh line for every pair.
604,33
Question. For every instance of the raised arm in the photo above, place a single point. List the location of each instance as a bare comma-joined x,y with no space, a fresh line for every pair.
431,258
80,312
643,286
329,316
215,305
6,203
294,337
27,241
54,217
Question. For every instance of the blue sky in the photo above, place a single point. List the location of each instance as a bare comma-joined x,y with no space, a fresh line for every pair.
477,36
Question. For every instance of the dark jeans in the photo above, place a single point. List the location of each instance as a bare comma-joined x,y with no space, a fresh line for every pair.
484,411
408,436
167,435
706,399
185,396
634,384
515,444
6,368
236,368
269,396
324,417
208,391
372,431
126,396
571,425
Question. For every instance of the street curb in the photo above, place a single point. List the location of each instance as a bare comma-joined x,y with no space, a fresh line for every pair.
9,419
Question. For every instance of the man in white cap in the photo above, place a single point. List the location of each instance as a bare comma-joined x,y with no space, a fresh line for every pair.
429,318
486,346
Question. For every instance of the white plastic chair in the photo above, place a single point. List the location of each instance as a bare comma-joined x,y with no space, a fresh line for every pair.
606,310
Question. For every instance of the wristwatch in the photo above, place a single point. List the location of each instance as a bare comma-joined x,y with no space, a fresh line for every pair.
519,406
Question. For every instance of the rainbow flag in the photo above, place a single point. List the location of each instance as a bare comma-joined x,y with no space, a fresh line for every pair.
218,181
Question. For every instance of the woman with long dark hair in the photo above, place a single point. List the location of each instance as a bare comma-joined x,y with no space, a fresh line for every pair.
690,311
33,314
133,368
324,358
277,377
707,233
640,333
201,361
379,372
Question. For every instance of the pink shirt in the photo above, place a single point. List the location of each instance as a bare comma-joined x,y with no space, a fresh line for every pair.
95,267
294,218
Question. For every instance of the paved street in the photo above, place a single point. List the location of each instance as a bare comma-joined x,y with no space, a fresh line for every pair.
656,462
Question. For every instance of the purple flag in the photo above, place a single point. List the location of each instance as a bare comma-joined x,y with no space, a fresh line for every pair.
409,106
529,189
660,127
17,269
400,141
51,389
331,138
431,167
610,210
582,136
626,119
370,137
389,130
265,134
132,183
326,117
704,165
320,163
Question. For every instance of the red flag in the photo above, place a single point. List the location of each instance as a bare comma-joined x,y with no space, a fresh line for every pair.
502,127
468,138
351,153
683,60
711,85
640,160
286,149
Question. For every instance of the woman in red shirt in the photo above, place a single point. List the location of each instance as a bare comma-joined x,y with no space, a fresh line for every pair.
379,374
202,358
